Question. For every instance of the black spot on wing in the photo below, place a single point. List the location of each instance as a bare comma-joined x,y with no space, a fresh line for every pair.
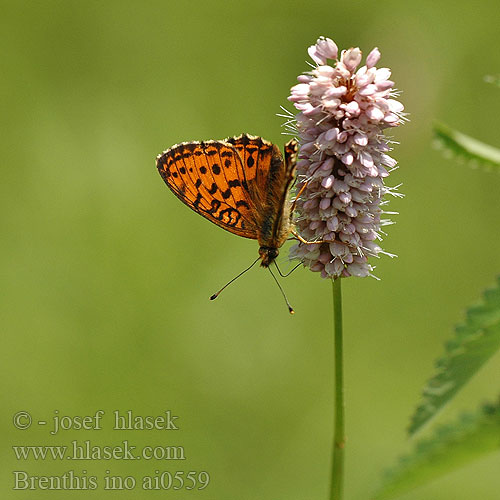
244,139
242,203
196,202
213,188
229,216
215,205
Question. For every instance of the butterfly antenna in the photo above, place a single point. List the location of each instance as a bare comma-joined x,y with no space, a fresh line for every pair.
289,272
290,308
215,295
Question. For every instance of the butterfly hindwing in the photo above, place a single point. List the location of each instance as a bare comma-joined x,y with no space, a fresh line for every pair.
209,177
258,157
270,179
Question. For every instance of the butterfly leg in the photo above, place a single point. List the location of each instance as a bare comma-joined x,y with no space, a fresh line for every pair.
302,240
301,190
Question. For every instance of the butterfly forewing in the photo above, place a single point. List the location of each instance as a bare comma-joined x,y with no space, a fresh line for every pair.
209,177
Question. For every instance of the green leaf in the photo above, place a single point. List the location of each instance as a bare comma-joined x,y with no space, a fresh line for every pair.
466,148
474,343
450,447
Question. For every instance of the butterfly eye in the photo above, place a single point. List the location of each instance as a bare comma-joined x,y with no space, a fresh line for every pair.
271,253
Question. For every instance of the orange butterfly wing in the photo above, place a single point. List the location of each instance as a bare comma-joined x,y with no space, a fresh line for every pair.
258,156
270,179
210,178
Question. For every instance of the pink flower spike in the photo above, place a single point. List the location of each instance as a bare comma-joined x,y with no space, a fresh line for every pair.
343,113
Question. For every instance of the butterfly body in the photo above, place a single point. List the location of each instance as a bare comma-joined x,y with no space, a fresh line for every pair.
241,184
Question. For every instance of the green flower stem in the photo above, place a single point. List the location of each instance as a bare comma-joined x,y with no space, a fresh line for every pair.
337,484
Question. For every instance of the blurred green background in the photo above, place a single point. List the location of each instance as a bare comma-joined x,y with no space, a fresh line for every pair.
106,275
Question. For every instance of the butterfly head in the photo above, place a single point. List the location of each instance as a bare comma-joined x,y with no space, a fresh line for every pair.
267,254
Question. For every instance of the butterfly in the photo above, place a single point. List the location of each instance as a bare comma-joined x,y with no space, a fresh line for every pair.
241,184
